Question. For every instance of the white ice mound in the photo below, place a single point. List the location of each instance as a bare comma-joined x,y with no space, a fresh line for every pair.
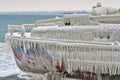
99,10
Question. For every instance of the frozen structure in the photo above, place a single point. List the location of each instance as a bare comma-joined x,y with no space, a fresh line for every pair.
72,47
99,10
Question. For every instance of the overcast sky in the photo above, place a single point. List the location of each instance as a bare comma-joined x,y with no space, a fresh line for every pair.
51,5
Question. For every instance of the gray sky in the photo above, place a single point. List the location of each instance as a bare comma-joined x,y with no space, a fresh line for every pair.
51,5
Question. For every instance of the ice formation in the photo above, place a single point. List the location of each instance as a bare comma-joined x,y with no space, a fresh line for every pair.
97,57
99,10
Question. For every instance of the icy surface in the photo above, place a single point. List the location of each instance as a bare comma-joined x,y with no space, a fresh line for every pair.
7,63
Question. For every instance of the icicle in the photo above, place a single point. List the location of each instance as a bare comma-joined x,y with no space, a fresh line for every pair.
109,67
118,69
91,68
115,70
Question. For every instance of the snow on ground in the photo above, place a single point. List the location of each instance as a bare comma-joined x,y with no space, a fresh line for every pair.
7,63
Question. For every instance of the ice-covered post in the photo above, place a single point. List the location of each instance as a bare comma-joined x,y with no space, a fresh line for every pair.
22,31
10,29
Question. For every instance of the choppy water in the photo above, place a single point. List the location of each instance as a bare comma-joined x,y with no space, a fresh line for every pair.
19,19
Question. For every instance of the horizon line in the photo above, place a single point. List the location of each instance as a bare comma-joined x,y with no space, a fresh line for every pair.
44,11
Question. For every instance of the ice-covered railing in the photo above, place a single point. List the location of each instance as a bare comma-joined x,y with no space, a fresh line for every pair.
106,18
12,28
99,33
29,25
98,58
50,22
19,28
22,28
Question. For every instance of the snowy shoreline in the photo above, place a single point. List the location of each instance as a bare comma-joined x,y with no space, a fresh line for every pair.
7,63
